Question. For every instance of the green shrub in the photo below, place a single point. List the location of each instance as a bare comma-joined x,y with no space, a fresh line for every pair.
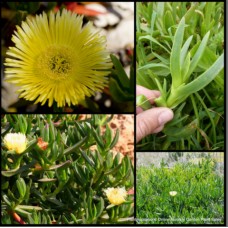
199,195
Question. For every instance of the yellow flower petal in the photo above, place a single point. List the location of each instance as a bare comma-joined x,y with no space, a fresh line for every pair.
116,196
56,59
15,141
173,193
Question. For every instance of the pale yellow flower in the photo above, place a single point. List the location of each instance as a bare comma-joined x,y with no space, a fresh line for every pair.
55,58
173,193
116,196
15,141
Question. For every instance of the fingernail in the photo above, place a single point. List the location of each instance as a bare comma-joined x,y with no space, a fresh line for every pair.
165,117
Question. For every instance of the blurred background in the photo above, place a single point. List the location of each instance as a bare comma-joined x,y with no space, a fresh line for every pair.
169,159
116,22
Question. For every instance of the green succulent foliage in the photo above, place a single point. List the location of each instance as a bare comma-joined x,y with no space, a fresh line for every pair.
122,87
180,53
199,198
64,183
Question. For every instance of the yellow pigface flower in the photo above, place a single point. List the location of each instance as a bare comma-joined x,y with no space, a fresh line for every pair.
116,196
56,59
173,193
15,141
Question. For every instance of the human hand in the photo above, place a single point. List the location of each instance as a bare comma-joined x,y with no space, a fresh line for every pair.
152,120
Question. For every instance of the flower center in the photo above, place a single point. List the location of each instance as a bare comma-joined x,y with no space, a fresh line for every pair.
115,192
55,63
59,64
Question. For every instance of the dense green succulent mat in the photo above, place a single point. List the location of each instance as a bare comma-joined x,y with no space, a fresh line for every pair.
186,193
179,51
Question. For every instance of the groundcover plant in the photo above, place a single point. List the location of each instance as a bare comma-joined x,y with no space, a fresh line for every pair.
180,53
60,169
187,193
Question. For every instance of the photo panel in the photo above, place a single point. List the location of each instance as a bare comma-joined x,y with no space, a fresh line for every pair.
67,57
180,76
67,169
180,188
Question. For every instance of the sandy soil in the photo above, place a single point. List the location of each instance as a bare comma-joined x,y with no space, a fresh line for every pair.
125,123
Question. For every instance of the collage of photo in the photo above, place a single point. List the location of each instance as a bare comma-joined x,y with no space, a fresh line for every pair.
113,113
